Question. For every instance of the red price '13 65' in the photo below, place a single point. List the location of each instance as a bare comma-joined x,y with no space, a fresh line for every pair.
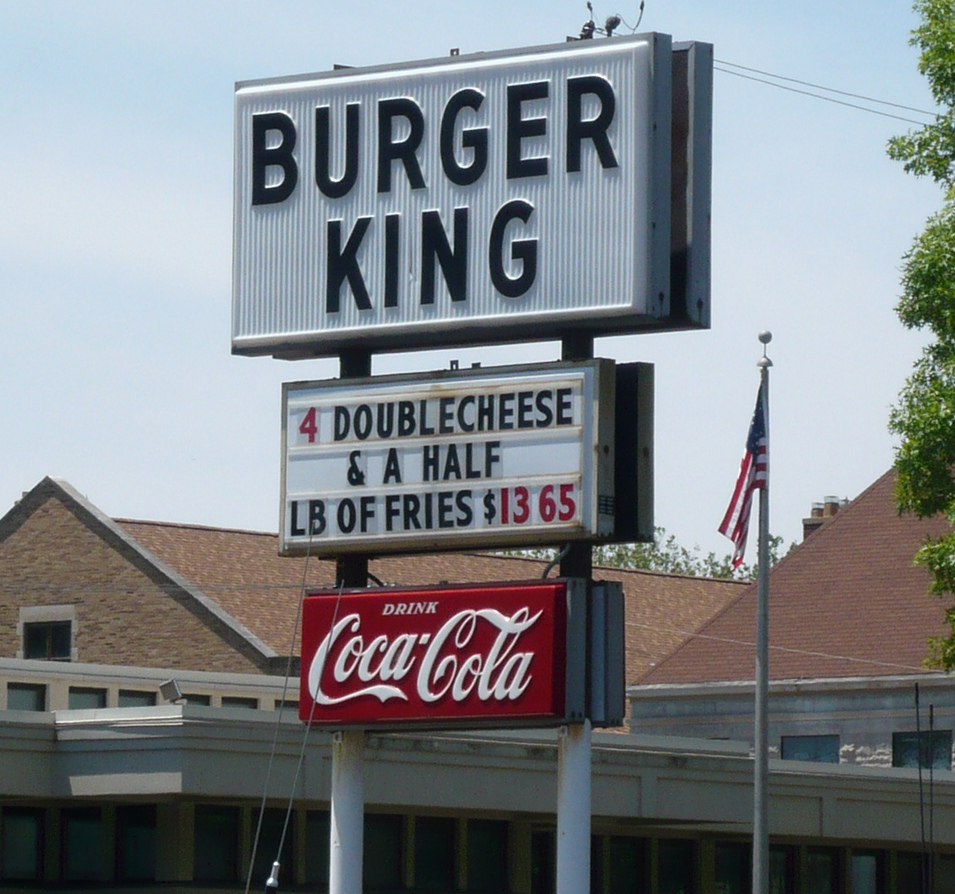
554,503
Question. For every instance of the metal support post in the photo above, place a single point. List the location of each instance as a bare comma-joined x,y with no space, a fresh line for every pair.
574,741
352,571
573,808
347,813
761,725
346,841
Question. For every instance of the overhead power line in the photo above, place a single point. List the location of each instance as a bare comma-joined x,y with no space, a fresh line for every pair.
774,80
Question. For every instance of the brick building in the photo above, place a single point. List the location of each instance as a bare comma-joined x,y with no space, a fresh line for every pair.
851,618
103,782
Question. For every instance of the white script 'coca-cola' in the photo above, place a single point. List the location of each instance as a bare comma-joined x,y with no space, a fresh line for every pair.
383,667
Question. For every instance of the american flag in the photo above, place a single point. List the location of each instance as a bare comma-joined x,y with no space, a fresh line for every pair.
753,475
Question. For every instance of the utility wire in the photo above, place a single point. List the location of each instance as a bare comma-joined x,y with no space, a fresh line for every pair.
838,102
761,76
769,74
275,733
691,635
832,99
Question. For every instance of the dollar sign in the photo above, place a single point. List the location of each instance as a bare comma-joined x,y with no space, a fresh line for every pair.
489,509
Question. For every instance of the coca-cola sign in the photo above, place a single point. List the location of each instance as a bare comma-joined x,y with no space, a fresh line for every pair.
442,657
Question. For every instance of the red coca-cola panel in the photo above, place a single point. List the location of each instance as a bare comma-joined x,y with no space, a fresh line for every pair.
442,657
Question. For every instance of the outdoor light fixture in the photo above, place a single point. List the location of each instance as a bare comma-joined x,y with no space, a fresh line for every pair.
170,691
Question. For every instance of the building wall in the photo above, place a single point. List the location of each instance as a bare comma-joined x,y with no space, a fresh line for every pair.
124,615
659,806
863,713
52,684
422,851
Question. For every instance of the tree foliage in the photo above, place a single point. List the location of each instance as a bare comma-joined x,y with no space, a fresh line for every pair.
924,417
665,554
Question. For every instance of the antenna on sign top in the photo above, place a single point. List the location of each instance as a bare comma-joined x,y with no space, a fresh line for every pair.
639,19
587,31
611,24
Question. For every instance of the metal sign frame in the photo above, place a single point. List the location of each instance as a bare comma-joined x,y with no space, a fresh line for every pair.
495,655
515,455
485,198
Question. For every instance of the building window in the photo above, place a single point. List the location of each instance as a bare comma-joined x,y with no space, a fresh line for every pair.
21,844
733,871
676,859
543,861
867,872
136,698
909,869
48,641
434,840
822,871
83,850
945,876
136,843
487,855
317,833
26,697
383,856
236,701
626,865
818,749
936,750
83,697
618,865
782,869
196,699
215,857
270,837
597,869
46,632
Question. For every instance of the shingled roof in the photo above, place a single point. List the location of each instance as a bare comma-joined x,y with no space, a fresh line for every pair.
849,601
243,573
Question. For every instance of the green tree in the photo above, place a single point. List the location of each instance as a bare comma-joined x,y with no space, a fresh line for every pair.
924,417
667,555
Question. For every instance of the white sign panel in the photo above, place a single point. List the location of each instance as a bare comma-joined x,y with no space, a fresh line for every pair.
513,455
489,197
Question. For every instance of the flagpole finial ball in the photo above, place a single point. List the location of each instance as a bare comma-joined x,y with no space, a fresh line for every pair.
765,337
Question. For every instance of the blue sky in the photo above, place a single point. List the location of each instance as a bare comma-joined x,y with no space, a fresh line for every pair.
115,247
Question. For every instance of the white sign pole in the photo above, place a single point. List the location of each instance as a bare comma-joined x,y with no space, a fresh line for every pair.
347,813
573,808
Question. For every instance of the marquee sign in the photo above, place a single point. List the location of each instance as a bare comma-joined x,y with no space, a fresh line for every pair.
501,655
477,198
483,457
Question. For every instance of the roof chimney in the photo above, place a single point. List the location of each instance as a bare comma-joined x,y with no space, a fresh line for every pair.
820,513
814,521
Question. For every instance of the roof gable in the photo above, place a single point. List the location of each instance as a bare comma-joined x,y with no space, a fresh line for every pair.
120,541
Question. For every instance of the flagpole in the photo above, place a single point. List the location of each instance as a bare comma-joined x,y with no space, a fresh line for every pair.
761,743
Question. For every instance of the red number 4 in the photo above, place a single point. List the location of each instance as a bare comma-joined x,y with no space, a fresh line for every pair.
309,426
